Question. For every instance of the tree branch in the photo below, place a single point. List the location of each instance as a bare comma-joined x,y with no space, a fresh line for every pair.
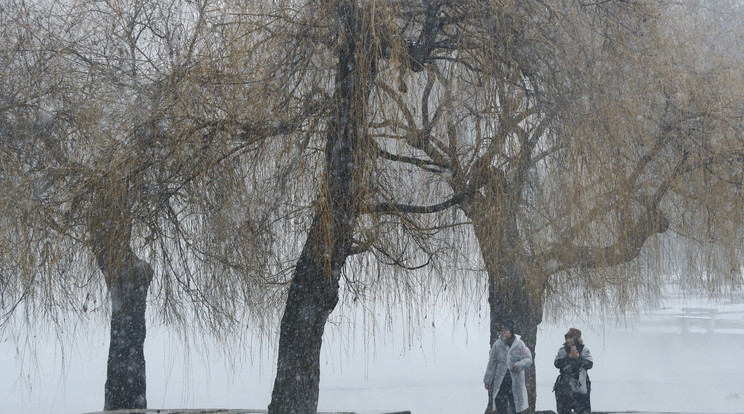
427,165
391,208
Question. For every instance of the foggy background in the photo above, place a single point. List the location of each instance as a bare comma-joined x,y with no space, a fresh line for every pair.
643,364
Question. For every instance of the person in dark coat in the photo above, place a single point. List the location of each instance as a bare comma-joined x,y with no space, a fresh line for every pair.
573,386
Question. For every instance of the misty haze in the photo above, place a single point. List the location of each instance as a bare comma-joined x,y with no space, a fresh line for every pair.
371,205
642,364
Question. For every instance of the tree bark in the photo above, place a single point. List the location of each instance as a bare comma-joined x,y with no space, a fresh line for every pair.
127,280
313,291
313,294
527,313
126,385
513,300
510,296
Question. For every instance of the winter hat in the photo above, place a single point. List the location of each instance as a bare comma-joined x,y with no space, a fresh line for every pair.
509,324
573,333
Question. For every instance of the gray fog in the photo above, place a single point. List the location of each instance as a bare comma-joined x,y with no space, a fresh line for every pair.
643,364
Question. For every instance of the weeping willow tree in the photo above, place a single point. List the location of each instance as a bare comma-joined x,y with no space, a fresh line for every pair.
553,126
351,55
156,169
131,131
570,134
346,55
577,133
201,151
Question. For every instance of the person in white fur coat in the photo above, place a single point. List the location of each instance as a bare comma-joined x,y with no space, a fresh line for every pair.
507,361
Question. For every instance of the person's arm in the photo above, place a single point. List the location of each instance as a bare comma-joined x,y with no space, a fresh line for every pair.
491,368
574,361
586,359
525,360
561,359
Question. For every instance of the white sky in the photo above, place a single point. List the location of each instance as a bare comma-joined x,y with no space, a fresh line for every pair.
652,367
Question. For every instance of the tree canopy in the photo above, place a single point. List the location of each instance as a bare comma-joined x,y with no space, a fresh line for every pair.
218,158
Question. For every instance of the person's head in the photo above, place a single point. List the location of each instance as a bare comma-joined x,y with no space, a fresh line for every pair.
573,336
507,329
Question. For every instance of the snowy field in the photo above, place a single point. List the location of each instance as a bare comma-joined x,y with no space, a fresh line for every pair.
647,365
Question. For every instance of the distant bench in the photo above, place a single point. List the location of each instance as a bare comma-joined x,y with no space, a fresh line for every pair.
707,315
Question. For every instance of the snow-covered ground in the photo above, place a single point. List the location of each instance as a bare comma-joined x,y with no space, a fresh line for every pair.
646,365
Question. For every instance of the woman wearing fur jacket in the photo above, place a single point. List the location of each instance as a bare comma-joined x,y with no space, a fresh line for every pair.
507,361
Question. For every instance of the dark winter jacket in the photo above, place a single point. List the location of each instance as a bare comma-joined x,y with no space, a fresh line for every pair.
573,372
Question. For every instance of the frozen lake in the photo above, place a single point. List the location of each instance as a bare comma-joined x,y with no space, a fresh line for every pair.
649,365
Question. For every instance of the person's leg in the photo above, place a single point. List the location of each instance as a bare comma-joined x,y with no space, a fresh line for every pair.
582,405
564,403
504,397
510,396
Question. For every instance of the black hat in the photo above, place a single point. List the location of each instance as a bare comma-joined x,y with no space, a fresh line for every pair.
509,324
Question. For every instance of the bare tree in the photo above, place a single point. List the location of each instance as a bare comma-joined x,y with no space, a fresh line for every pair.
573,143
351,52
553,127
131,148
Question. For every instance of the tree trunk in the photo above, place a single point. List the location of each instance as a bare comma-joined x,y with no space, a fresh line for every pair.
514,301
313,292
128,280
313,295
527,313
126,384
510,295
